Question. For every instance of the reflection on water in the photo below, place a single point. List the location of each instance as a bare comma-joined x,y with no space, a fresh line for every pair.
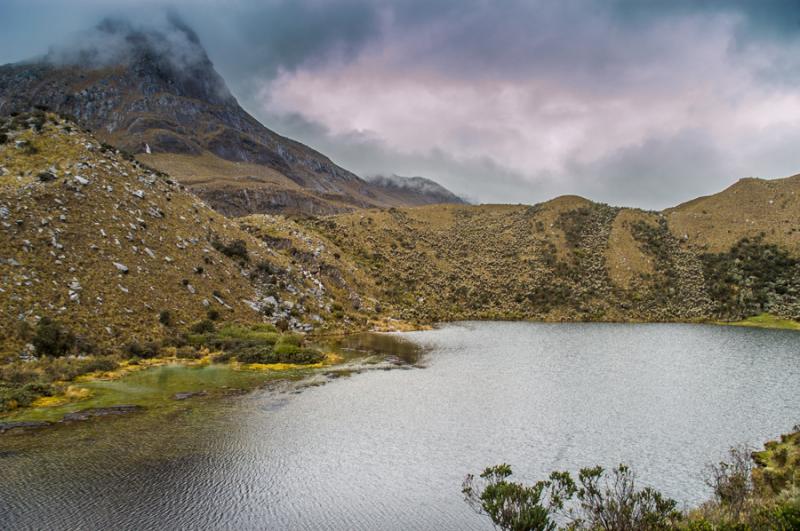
388,449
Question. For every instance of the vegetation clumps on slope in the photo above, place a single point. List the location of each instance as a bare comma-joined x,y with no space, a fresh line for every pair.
751,278
567,259
110,248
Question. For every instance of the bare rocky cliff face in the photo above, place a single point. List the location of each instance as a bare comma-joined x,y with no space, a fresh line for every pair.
156,92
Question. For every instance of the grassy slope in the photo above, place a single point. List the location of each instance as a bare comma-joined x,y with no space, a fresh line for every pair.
571,259
61,234
746,209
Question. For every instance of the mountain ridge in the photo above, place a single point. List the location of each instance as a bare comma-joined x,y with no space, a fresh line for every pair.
155,93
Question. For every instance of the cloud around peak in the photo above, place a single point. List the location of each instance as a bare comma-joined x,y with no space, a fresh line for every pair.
643,103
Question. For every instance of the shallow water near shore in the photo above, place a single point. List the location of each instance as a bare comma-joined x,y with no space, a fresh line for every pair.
387,449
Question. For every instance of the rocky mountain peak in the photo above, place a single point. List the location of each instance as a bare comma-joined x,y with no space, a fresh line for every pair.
166,56
152,90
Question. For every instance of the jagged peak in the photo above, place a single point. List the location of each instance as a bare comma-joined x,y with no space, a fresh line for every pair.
164,48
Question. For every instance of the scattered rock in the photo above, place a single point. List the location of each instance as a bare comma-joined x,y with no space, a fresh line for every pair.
122,268
86,414
188,394
23,425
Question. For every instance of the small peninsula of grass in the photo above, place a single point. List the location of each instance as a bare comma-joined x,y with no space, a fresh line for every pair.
60,377
766,320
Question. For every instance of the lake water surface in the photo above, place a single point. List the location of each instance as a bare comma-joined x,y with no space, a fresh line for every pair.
388,449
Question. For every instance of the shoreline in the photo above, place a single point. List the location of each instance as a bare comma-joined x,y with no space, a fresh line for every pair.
76,391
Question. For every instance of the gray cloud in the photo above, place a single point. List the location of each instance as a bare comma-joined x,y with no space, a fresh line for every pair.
643,103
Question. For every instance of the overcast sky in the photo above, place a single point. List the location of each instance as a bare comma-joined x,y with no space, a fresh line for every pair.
643,103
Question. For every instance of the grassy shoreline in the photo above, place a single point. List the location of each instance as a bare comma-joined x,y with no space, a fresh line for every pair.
764,320
74,391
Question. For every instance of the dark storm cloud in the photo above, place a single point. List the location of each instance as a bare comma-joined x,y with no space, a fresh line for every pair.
627,101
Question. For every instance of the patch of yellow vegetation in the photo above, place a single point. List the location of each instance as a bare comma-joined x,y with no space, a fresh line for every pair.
332,358
73,393
49,401
279,366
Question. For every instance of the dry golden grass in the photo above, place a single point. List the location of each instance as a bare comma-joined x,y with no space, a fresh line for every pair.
209,170
625,258
61,234
746,209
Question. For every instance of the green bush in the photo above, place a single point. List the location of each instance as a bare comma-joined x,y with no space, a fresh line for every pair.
234,249
187,353
51,339
12,397
255,355
165,318
206,326
280,354
147,350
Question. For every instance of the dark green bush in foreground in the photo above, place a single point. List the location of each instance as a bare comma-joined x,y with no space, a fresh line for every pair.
611,501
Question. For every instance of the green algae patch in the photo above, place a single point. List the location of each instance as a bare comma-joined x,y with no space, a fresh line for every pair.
765,320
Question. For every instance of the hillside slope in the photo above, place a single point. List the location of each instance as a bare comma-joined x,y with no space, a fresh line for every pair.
155,93
104,244
749,208
567,259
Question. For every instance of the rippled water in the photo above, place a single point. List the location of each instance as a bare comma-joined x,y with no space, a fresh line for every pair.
387,449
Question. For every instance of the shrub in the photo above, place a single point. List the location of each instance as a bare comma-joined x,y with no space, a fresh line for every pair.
515,506
187,353
14,397
264,269
255,355
614,503
234,249
143,350
604,502
51,339
17,373
291,339
165,318
284,354
731,481
99,364
206,326
222,357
